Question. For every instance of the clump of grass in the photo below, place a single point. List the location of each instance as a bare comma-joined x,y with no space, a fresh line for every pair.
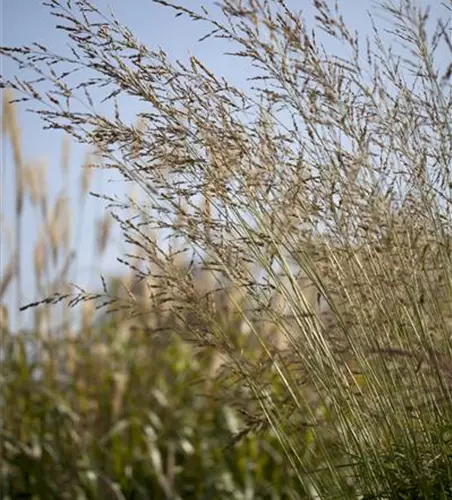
333,173
94,406
119,425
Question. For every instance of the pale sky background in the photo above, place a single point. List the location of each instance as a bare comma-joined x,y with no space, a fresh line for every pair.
27,21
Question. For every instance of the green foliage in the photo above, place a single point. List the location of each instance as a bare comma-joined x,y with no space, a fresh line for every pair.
98,420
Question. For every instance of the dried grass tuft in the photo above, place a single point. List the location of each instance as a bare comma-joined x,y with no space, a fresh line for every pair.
323,196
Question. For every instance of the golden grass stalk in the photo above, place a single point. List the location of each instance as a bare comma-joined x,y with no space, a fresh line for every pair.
13,131
65,155
4,318
120,381
8,276
87,174
103,232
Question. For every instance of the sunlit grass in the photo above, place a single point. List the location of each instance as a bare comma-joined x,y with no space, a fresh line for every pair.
291,248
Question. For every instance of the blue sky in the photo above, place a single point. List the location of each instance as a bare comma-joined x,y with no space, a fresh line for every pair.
27,21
